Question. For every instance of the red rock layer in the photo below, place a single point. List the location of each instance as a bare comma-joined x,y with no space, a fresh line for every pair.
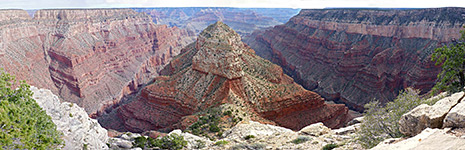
355,56
218,68
91,57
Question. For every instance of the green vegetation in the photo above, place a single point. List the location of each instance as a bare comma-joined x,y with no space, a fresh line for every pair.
199,144
248,137
23,124
381,122
221,143
171,142
452,77
330,146
210,124
301,139
242,146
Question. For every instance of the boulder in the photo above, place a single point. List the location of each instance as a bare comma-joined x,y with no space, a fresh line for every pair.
425,116
430,139
456,116
347,130
355,121
316,129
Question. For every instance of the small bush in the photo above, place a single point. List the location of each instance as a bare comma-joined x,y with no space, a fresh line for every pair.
23,123
330,146
301,139
199,144
221,143
140,142
172,142
214,128
227,113
381,122
249,137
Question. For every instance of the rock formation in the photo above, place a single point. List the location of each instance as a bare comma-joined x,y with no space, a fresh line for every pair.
91,57
216,69
78,129
243,20
440,126
356,55
427,139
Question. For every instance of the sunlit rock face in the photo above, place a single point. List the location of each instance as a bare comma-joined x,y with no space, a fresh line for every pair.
91,57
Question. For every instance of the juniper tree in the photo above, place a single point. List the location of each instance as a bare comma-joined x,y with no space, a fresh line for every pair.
452,58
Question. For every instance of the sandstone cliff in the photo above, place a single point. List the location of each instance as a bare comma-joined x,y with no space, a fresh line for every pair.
243,20
356,55
216,69
87,56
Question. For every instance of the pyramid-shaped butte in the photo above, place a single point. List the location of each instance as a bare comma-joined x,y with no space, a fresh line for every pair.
219,68
219,51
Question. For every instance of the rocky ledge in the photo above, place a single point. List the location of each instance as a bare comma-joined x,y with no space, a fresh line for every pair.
440,126
78,129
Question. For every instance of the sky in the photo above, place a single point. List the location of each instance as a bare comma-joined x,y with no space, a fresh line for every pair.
43,4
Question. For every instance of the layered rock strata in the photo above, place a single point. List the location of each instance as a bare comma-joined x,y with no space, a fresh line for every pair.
216,69
354,56
91,57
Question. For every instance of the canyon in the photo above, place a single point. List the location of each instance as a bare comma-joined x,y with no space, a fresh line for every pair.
354,56
217,69
91,57
243,20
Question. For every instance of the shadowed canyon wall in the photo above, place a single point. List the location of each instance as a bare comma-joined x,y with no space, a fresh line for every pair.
356,55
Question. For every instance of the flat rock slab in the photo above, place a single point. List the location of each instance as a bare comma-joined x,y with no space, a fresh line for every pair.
429,139
425,116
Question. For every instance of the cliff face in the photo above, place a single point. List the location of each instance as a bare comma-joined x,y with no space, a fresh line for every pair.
88,57
219,68
243,20
354,56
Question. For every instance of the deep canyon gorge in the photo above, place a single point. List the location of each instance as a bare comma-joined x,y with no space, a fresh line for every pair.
152,71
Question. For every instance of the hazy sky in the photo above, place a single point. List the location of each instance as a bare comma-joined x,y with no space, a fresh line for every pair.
40,4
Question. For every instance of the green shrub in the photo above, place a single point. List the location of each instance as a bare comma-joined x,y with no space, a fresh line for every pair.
199,144
23,124
380,122
140,142
214,128
172,142
330,146
249,137
221,143
301,139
